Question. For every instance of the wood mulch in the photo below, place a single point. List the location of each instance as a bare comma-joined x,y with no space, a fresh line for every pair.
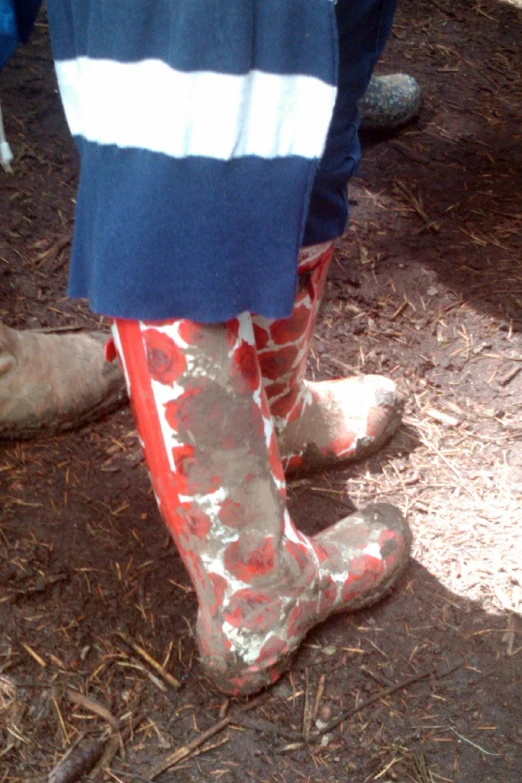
99,678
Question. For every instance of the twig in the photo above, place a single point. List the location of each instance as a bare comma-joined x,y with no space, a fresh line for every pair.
487,752
76,762
449,464
377,677
190,747
386,692
169,678
318,696
308,707
114,744
93,706
53,329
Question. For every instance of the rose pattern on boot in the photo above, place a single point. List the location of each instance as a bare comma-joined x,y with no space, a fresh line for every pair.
319,424
211,449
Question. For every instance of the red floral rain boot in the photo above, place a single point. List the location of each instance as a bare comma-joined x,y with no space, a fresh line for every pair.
319,424
210,446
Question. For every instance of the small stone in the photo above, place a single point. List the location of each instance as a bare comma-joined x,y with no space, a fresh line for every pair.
325,712
330,650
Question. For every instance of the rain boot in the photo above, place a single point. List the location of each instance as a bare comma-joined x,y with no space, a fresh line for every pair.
50,383
325,423
211,450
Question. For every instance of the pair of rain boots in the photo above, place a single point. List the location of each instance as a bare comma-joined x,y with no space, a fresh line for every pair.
221,411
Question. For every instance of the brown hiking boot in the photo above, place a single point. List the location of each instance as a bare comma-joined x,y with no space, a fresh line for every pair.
50,383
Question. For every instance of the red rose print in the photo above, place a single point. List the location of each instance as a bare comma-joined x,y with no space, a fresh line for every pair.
300,554
364,570
198,523
235,511
289,330
275,460
296,411
277,363
299,618
232,331
232,513
247,563
190,332
245,425
194,476
261,335
164,359
283,406
253,609
163,322
275,389
272,651
322,553
342,446
292,463
110,351
245,367
184,458
183,412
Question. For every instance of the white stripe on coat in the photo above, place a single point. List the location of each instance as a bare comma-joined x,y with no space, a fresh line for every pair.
148,105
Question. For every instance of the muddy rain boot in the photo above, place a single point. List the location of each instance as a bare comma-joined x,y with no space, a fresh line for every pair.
211,450
324,423
50,383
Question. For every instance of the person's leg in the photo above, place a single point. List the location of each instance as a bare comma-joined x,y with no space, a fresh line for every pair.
211,450
363,29
51,383
319,424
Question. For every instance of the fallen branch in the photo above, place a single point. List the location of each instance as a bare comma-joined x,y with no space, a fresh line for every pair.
78,761
386,692
90,704
193,745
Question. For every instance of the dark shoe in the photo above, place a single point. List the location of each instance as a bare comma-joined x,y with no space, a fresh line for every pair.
389,102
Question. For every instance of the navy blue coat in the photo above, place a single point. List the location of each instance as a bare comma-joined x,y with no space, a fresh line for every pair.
201,125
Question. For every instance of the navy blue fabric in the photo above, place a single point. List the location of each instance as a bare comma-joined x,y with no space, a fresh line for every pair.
158,282
16,22
227,36
9,38
363,29
26,13
158,237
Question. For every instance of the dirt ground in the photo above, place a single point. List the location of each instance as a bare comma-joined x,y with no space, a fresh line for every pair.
427,288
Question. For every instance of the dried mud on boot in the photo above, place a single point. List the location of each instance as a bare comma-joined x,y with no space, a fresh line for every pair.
425,288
